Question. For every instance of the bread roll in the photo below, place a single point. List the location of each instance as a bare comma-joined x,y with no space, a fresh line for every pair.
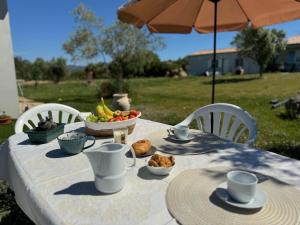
141,147
161,161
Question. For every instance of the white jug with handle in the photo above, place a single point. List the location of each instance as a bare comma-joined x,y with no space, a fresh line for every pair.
109,165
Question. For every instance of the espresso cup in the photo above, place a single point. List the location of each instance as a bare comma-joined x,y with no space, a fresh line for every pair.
74,142
241,185
181,131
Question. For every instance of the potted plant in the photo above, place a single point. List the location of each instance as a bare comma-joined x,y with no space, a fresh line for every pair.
5,119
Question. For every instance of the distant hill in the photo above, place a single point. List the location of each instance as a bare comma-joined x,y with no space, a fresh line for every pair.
75,67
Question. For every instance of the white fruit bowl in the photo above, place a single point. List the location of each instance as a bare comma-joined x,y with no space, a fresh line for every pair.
108,127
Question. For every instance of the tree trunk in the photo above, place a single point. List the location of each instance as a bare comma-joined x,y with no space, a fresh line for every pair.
89,76
120,80
261,70
120,77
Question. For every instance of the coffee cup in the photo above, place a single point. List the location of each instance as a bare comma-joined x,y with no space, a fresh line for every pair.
74,142
241,185
181,131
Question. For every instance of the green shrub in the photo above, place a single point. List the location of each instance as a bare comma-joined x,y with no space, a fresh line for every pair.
106,89
280,143
76,75
126,87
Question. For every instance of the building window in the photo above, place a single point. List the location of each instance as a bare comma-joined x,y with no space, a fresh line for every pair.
212,63
239,62
291,56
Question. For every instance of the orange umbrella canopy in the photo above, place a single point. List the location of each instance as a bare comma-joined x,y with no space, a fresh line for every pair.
181,16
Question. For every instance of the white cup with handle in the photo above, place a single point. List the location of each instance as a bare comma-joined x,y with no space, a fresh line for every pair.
181,131
241,185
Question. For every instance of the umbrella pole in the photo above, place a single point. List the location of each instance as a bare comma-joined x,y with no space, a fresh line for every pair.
214,59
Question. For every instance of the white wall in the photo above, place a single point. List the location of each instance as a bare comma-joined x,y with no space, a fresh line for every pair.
8,87
198,65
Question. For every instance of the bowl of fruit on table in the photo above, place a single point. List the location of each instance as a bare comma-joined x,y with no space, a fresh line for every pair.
104,120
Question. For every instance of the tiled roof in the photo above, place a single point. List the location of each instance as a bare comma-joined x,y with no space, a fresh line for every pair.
290,41
294,40
208,52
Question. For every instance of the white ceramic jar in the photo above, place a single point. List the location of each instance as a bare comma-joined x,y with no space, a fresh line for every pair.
121,102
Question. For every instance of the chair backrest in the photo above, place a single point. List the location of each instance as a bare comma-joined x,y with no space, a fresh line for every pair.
58,112
230,122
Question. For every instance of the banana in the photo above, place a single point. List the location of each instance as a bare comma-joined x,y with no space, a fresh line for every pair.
107,111
100,110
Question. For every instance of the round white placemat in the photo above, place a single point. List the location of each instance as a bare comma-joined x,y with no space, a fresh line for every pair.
191,199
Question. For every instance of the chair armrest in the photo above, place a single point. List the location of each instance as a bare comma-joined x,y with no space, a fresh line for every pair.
187,121
84,115
250,142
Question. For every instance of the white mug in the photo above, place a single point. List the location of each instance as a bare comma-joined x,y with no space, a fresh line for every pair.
181,131
109,165
241,185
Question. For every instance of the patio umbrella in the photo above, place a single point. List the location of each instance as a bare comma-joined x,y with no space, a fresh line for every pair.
204,16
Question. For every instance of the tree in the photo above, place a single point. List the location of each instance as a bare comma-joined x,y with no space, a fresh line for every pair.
23,68
39,70
122,42
143,64
83,44
260,44
57,69
182,62
152,65
101,70
280,46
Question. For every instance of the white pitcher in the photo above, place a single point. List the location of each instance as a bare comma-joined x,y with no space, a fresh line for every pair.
109,165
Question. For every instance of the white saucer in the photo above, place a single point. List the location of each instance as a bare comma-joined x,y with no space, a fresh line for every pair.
188,138
258,201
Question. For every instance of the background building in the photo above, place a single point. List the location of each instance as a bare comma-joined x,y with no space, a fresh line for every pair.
229,60
291,56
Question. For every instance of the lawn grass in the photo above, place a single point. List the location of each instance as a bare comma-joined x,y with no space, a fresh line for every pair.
6,130
169,100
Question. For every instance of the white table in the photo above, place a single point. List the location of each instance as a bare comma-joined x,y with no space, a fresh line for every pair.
54,189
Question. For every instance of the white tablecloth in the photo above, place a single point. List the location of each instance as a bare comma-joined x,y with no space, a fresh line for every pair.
52,188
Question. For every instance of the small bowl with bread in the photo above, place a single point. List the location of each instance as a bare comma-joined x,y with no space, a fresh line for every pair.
160,165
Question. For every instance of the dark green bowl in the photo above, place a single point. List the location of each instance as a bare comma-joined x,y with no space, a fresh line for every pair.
41,137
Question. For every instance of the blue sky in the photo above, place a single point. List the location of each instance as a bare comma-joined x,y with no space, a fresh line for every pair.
40,27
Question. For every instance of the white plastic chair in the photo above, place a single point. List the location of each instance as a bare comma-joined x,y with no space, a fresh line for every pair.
58,112
230,122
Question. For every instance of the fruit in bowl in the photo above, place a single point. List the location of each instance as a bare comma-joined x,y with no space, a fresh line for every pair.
105,114
104,120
